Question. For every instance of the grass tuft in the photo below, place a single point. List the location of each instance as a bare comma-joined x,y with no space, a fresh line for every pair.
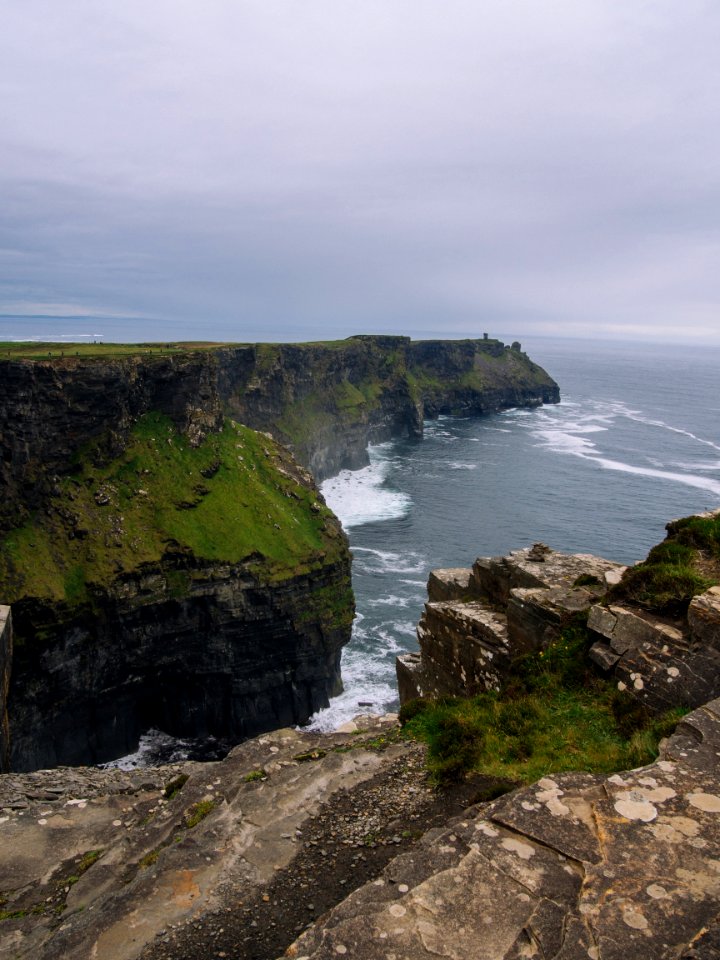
198,811
686,563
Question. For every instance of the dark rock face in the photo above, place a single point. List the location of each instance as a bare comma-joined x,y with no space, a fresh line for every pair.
325,401
233,657
6,650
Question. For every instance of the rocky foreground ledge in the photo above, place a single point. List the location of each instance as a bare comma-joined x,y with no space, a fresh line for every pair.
252,851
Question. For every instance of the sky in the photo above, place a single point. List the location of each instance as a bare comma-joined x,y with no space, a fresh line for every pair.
306,169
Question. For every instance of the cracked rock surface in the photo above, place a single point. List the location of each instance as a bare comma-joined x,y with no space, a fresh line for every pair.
577,866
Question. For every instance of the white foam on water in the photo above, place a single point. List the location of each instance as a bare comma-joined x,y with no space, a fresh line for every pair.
153,744
650,422
568,435
391,601
385,561
362,496
690,480
455,465
366,681
711,466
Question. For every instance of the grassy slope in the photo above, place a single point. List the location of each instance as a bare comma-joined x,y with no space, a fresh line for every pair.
554,715
231,498
687,562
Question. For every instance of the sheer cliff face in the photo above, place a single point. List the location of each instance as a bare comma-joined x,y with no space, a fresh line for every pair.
230,656
167,566
328,401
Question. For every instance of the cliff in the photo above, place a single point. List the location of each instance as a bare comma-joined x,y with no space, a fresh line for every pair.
196,585
325,401
168,566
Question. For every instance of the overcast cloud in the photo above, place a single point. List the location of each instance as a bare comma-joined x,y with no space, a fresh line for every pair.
320,167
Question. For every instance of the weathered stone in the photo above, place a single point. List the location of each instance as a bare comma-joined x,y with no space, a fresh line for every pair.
626,630
577,866
450,584
495,577
408,667
662,677
464,649
602,655
154,870
704,618
536,617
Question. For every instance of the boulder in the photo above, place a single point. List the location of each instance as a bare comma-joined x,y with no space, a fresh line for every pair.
410,676
454,583
464,649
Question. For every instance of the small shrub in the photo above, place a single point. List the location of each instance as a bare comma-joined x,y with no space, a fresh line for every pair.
255,775
663,587
455,741
198,811
630,714
310,755
411,709
587,580
149,859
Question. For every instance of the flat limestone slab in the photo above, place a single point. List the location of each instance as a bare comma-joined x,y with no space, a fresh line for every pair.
575,867
154,869
539,566
451,583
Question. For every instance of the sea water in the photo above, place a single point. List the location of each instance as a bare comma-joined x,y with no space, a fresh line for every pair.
634,443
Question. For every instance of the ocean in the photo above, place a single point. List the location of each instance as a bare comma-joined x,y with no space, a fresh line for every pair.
634,443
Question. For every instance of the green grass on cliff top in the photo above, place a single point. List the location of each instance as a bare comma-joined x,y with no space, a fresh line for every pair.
34,350
234,497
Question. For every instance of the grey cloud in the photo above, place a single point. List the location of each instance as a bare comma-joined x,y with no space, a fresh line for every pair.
336,165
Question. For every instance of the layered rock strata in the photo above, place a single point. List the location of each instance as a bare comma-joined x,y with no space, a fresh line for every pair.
201,587
209,593
326,401
232,656
477,621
